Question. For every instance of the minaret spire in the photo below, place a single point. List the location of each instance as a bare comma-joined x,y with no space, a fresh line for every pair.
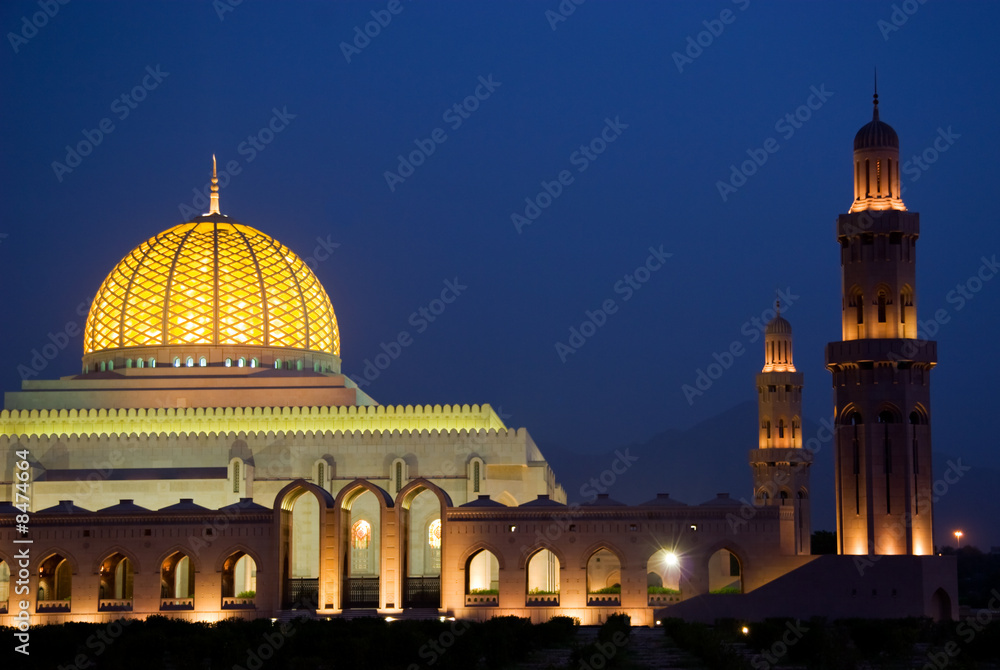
213,207
875,99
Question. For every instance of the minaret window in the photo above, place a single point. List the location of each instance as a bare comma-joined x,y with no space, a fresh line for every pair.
236,477
889,175
868,178
767,429
781,428
881,306
860,307
878,177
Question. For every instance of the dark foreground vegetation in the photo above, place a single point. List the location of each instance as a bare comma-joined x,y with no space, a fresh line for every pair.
506,643
844,644
159,643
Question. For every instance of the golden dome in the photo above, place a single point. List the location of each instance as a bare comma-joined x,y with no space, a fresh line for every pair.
215,282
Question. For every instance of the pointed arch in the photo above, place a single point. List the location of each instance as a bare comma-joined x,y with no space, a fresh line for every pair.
239,548
478,547
116,549
187,551
413,488
730,546
531,550
850,415
347,495
70,560
587,553
887,410
285,499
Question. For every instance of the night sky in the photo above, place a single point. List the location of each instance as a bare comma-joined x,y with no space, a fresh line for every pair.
625,117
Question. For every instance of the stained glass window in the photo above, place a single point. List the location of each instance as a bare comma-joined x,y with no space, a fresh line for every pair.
361,534
434,534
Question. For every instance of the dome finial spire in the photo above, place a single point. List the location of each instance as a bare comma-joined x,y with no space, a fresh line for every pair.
875,99
213,207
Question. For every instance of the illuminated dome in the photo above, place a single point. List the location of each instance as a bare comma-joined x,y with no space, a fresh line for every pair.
876,134
215,285
778,326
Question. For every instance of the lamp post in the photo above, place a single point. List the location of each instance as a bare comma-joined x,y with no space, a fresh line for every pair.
958,538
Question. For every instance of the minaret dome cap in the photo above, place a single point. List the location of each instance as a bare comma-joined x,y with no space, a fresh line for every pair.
876,134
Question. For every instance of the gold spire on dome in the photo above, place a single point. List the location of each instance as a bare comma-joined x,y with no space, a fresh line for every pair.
213,206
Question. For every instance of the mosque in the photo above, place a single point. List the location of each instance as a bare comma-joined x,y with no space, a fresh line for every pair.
210,460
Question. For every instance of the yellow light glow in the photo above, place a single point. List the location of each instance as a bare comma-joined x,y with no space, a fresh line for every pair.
671,560
213,283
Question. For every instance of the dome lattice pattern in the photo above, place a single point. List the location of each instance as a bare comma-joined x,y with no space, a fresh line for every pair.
212,283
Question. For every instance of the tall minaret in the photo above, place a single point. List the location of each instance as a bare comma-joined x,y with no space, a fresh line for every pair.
881,371
780,464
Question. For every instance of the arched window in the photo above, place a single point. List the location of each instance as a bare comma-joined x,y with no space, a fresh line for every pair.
189,362
111,365
475,477
138,362
104,366
767,429
860,308
781,428
236,477
128,362
202,362
881,306
868,178
253,362
229,362
177,361
152,362
277,363
241,362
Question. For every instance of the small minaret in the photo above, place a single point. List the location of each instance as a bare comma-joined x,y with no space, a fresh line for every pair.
780,464
213,205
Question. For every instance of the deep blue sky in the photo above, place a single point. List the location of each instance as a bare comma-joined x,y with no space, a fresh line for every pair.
322,177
